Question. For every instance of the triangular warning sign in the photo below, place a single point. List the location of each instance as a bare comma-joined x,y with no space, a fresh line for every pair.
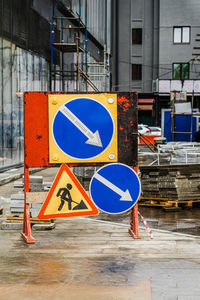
67,198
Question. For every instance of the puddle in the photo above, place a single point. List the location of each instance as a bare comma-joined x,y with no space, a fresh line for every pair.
116,267
183,221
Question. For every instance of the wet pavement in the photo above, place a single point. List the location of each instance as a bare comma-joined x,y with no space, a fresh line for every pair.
84,258
184,221
96,258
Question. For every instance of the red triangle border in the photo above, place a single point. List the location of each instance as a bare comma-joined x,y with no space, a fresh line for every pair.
80,213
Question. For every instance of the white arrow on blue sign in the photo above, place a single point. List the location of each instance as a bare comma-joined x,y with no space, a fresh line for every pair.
83,128
115,188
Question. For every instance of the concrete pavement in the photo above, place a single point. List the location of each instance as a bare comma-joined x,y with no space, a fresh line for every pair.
90,259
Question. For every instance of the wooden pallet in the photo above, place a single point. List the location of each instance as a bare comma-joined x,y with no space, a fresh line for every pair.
165,202
19,219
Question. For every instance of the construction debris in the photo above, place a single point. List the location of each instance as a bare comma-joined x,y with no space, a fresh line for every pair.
19,219
46,185
16,223
168,203
84,175
36,184
43,227
17,203
11,226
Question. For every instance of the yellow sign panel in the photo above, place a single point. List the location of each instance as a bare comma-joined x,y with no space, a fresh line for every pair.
67,198
82,128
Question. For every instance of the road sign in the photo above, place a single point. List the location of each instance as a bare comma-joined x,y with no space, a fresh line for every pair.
115,188
67,198
83,128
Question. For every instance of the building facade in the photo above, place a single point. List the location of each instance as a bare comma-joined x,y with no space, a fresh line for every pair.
155,47
30,61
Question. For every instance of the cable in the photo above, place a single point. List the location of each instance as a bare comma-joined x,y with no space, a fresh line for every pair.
163,68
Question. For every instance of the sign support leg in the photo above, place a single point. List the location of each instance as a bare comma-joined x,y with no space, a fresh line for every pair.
26,233
134,225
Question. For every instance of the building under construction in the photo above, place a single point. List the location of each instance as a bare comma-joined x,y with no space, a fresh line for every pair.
48,45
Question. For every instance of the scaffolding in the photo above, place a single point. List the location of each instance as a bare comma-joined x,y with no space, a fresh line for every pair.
73,23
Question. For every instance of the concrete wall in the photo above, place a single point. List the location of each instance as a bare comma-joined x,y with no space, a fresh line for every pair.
177,13
137,21
135,14
124,51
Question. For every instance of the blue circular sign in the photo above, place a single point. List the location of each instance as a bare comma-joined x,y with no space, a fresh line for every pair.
83,128
115,188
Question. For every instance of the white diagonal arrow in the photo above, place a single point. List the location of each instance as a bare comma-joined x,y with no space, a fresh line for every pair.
93,138
125,196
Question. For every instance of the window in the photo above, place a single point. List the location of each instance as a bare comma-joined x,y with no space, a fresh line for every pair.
137,36
181,35
136,72
181,71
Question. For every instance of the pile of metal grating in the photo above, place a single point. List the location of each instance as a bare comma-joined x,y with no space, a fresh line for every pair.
173,153
178,182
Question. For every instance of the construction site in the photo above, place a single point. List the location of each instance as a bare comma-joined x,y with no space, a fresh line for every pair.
99,150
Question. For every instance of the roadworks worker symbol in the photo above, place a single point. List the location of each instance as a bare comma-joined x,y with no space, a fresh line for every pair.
67,198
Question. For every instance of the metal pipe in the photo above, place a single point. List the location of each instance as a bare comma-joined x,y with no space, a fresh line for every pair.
11,79
62,40
86,44
52,42
117,45
2,106
78,69
79,24
67,18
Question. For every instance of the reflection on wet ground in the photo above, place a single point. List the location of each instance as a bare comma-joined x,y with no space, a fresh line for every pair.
184,221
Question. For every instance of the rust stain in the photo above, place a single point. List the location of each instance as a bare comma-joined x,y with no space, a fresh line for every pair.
124,103
38,137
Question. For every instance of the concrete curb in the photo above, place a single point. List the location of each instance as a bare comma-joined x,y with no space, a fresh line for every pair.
43,227
10,178
11,226
14,177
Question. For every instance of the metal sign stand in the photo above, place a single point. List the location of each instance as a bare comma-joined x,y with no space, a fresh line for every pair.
134,223
134,226
36,144
26,232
